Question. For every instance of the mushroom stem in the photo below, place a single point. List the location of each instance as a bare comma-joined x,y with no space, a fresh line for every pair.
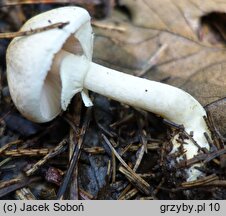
167,101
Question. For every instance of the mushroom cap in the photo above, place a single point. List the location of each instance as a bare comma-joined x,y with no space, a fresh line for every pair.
29,59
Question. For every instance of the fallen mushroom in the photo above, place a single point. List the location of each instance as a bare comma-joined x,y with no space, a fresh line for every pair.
45,70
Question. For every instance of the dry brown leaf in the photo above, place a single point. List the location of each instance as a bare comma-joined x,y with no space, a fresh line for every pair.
217,110
191,32
177,17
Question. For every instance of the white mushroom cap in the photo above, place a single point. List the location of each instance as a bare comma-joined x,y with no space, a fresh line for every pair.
29,59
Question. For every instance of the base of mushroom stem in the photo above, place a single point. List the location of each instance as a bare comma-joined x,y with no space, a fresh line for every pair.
178,172
186,149
190,173
193,173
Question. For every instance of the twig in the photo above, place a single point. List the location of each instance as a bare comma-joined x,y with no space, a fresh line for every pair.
204,157
216,183
152,61
8,145
200,182
141,184
129,147
126,189
122,121
5,161
20,2
113,167
94,150
73,142
27,152
114,144
24,194
106,131
158,188
211,144
150,147
74,138
108,26
194,160
211,180
139,158
215,154
75,156
73,127
85,195
130,194
173,124
142,135
59,148
109,168
163,152
22,183
195,143
9,182
147,198
147,175
33,31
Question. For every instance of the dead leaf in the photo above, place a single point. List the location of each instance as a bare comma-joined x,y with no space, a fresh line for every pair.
192,31
181,18
217,111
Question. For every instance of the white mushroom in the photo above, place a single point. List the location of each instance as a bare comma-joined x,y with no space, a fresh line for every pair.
45,70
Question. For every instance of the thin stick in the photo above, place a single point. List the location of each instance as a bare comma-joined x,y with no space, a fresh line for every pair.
147,198
85,195
10,35
215,154
24,194
130,194
215,183
94,150
152,61
200,182
113,167
129,147
139,158
8,145
75,156
158,188
108,26
122,121
74,121
9,182
22,183
142,185
128,187
27,152
150,146
59,148
5,161
20,2
74,193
